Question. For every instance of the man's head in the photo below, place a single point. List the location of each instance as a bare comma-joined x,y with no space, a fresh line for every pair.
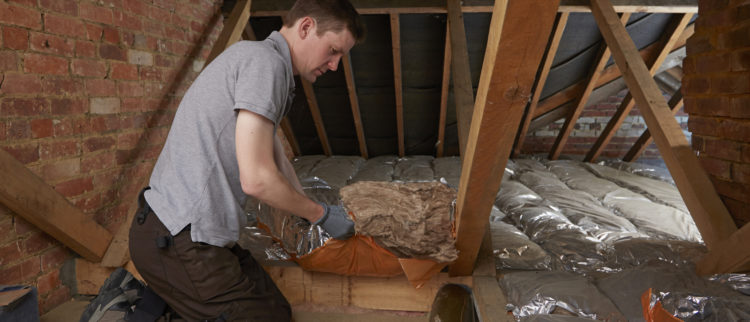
319,33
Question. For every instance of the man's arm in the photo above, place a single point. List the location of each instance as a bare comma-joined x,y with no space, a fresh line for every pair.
284,165
259,174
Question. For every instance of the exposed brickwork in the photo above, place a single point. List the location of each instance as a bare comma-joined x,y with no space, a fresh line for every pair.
718,99
88,90
592,122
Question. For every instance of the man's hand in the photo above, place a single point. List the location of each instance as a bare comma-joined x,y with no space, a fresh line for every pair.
336,222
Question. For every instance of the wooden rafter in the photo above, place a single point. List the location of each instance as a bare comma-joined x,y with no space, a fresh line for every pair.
562,21
38,203
674,30
354,103
609,74
444,90
279,7
312,102
508,71
675,103
463,91
731,255
236,23
572,118
396,45
286,127
706,208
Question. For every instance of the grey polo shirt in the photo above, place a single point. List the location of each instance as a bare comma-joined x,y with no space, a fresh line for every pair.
196,178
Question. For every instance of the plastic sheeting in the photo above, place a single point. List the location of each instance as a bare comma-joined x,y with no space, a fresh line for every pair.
513,249
376,169
414,169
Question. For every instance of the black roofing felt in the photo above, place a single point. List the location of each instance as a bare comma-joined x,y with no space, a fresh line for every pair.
422,50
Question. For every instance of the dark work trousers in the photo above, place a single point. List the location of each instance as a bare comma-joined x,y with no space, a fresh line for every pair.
204,282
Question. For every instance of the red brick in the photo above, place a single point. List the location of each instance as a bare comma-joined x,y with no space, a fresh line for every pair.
740,210
8,61
93,32
709,106
712,63
61,169
54,258
20,84
63,25
69,126
163,61
48,282
24,106
98,143
741,60
130,89
127,21
20,16
89,67
43,64
150,73
735,129
74,187
111,35
737,38
69,7
10,253
98,162
104,123
90,11
26,3
41,128
23,227
15,38
712,5
62,86
37,242
718,168
51,44
732,190
24,154
699,44
123,71
719,19
6,229
21,272
136,6
19,129
54,299
731,84
101,87
67,106
113,52
695,85
59,149
741,173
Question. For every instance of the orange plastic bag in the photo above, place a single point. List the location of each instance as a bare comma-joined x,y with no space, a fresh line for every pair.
656,313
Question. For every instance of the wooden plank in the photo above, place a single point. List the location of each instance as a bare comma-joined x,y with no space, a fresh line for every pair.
233,29
379,293
286,127
463,91
508,71
38,203
674,29
263,8
312,102
731,255
572,118
444,91
354,103
609,74
562,21
396,46
706,208
90,276
675,103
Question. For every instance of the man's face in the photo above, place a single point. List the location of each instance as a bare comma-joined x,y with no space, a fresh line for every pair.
322,53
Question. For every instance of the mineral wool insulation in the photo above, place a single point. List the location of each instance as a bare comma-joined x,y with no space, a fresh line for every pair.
571,240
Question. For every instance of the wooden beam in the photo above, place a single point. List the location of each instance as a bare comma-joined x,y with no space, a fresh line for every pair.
731,255
549,58
312,102
674,29
675,103
609,74
463,91
38,203
354,103
489,299
286,127
572,118
444,90
279,7
396,46
508,71
378,293
233,29
706,208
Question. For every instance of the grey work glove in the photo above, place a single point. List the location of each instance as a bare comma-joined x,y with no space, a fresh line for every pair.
336,222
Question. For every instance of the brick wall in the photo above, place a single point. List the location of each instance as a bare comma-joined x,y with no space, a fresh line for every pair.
587,130
717,97
87,93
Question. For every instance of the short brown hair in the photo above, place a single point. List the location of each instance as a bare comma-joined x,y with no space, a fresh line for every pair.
329,15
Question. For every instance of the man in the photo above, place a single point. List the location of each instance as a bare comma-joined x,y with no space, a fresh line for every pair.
222,147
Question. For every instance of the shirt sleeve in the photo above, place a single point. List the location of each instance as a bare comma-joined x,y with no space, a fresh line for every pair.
261,86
